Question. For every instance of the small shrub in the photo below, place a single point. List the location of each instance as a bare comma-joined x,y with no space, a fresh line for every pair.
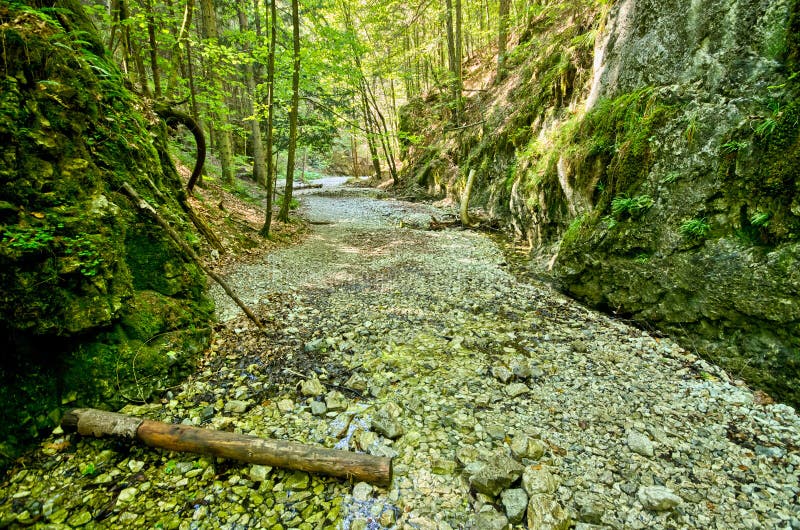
695,229
623,206
760,219
734,146
671,177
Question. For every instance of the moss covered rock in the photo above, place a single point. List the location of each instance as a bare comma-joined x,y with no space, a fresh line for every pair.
97,304
649,152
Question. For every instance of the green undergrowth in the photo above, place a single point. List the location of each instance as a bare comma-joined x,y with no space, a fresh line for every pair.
761,159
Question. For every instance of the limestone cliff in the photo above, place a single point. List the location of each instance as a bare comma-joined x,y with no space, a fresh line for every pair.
98,306
649,152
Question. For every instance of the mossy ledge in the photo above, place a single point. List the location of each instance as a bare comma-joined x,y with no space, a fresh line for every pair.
649,155
98,307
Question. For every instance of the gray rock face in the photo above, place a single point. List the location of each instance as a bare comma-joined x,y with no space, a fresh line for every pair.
495,475
713,257
713,60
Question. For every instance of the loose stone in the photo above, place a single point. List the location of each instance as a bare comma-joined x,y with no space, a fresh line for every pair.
495,475
640,443
236,406
658,498
515,502
312,387
362,491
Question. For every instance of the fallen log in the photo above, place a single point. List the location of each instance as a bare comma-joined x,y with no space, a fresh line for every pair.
305,186
144,205
241,447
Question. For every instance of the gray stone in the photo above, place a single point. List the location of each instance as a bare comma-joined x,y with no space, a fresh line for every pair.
497,474
335,401
127,495
285,405
502,373
259,473
523,446
517,389
589,509
314,345
298,480
515,502
538,479
467,454
318,408
521,368
362,491
488,520
658,498
312,387
545,513
640,443
357,382
386,421
579,346
236,406
443,466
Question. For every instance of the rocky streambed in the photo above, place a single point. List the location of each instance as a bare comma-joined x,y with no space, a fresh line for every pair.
501,402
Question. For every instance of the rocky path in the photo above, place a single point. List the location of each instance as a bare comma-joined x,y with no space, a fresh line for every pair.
501,403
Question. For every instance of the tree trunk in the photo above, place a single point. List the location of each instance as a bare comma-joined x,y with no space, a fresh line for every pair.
259,162
465,220
502,39
241,447
283,215
270,181
383,130
354,152
373,150
222,135
455,92
151,35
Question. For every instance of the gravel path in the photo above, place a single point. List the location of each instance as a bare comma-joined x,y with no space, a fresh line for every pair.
501,402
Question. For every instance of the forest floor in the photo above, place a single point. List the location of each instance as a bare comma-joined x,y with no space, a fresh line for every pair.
498,399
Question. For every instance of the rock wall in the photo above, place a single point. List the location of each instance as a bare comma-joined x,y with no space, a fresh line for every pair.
97,306
658,177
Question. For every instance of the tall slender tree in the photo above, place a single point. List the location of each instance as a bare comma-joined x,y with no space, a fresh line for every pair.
502,38
153,48
283,215
259,162
222,132
273,17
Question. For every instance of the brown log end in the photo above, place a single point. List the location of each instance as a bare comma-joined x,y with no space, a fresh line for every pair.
69,422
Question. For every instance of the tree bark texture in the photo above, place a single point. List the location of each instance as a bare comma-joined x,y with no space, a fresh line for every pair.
283,215
241,447
223,134
259,161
